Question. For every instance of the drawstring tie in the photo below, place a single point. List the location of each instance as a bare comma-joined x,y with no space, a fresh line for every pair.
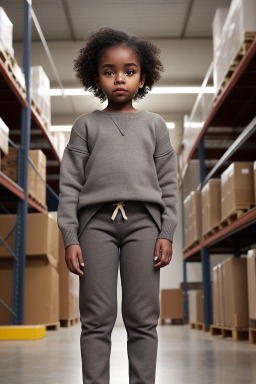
119,205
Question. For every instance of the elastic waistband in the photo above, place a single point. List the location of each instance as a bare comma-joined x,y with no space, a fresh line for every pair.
128,206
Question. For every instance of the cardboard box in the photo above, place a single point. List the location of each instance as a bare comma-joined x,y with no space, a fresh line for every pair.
9,164
41,298
235,292
221,293
187,221
215,297
37,186
251,276
196,216
196,307
69,288
193,218
211,212
237,190
42,232
172,304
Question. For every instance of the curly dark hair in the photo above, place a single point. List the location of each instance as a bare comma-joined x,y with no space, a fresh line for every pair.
86,65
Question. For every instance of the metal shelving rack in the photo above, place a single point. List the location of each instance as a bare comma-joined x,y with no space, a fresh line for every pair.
16,110
235,108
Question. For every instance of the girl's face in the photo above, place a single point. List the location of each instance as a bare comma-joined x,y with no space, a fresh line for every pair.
119,74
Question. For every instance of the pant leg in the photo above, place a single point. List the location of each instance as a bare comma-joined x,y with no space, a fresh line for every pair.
140,295
98,297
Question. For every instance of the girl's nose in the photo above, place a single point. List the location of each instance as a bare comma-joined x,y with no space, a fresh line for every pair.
119,79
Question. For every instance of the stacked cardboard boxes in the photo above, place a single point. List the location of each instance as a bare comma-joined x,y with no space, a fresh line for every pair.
251,275
172,304
9,164
69,288
193,218
41,300
215,297
230,296
68,285
37,183
196,307
230,196
237,188
210,205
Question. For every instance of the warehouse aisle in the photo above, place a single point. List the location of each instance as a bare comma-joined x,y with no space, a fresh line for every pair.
184,356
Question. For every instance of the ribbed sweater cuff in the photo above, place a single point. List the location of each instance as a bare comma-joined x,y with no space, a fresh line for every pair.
167,231
69,236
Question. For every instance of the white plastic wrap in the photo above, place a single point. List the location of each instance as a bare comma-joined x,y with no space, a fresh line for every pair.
40,92
4,134
194,124
241,18
6,28
217,25
59,142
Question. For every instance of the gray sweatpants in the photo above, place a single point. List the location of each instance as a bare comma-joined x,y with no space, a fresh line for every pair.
105,242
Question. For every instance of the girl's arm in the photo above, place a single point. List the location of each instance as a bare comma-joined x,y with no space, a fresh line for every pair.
166,167
72,180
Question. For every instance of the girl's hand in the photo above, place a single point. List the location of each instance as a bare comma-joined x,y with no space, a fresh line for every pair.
73,256
165,247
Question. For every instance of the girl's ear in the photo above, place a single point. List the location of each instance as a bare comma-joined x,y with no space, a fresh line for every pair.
142,80
96,80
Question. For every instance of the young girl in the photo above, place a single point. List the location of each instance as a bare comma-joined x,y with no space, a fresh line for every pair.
118,203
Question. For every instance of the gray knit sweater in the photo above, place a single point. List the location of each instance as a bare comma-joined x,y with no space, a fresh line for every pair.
114,156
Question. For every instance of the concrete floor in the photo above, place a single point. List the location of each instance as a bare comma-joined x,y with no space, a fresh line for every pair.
184,356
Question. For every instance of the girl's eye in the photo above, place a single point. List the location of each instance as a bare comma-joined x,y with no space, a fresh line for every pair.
108,73
130,71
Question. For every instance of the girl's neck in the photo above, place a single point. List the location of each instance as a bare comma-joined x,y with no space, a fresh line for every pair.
120,108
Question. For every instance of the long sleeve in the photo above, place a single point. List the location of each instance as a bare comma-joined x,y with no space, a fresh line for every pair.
71,182
166,167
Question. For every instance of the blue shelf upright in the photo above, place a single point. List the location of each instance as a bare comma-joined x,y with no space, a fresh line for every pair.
19,243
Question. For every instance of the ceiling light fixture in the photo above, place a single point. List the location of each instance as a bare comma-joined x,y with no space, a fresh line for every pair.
155,90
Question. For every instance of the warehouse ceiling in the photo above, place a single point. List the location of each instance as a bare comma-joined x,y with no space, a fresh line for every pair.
181,28
75,19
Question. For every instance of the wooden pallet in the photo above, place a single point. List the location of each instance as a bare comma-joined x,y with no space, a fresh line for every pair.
252,335
233,216
211,232
32,197
53,326
172,321
248,39
193,245
68,323
198,326
235,333
38,110
9,62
